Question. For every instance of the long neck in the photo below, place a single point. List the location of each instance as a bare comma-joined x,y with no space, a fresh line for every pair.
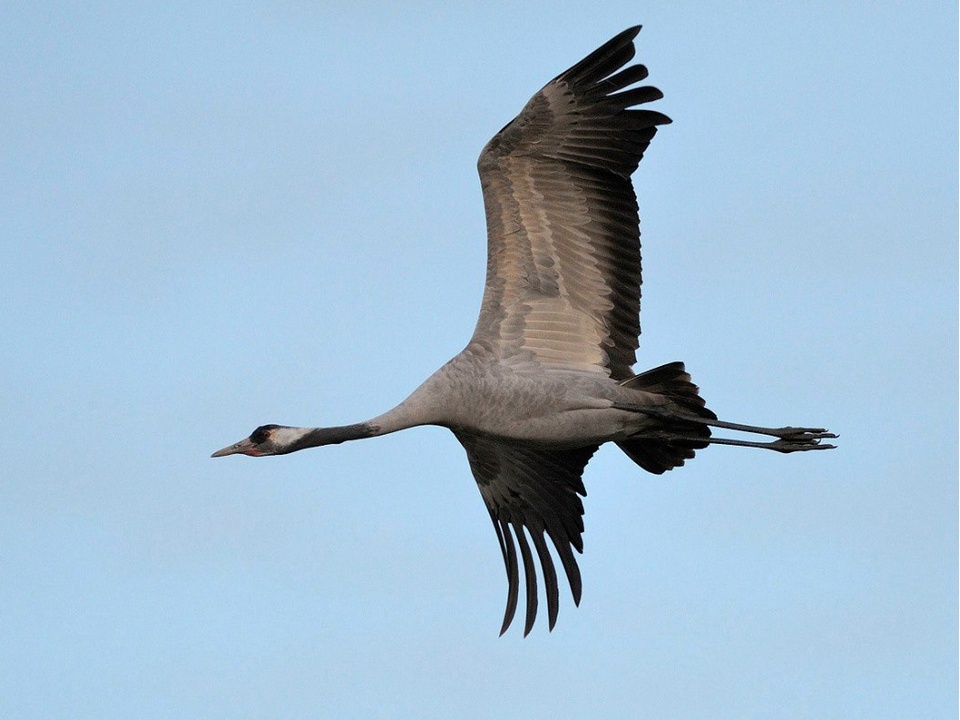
418,409
314,437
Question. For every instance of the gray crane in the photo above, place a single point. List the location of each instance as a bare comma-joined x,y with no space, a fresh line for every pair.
546,378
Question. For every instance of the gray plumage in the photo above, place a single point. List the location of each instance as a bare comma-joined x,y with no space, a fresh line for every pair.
546,377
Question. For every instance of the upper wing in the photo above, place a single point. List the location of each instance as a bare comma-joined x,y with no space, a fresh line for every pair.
534,490
563,235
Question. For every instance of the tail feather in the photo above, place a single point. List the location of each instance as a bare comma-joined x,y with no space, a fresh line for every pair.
656,455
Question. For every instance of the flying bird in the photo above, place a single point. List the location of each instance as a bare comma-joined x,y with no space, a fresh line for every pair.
546,377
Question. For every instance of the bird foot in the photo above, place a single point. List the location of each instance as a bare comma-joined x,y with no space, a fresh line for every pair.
792,439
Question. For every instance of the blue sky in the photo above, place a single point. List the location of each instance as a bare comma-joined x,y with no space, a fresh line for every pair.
219,217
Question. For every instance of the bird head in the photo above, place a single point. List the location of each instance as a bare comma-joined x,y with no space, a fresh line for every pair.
265,440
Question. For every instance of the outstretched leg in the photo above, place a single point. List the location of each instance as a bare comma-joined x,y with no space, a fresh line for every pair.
806,439
789,439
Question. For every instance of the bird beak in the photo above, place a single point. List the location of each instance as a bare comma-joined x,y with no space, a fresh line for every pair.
245,447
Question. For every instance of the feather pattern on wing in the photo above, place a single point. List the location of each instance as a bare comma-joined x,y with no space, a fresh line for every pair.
563,264
530,492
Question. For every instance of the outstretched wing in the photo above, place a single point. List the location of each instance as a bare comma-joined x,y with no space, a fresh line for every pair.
532,491
563,235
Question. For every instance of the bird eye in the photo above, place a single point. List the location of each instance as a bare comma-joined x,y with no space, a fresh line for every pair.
261,434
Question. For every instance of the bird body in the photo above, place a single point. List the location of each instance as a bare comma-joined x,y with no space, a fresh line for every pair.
561,407
547,376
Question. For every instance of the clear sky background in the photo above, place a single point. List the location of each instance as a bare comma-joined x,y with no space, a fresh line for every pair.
220,216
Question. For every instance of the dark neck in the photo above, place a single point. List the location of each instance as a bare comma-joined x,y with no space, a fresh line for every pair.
333,435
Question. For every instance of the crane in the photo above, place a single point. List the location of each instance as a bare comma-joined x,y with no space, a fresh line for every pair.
547,376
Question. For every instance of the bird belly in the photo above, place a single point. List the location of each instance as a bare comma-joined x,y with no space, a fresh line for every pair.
571,428
555,415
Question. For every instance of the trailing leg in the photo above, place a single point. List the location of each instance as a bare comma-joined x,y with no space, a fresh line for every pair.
792,443
686,422
789,439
